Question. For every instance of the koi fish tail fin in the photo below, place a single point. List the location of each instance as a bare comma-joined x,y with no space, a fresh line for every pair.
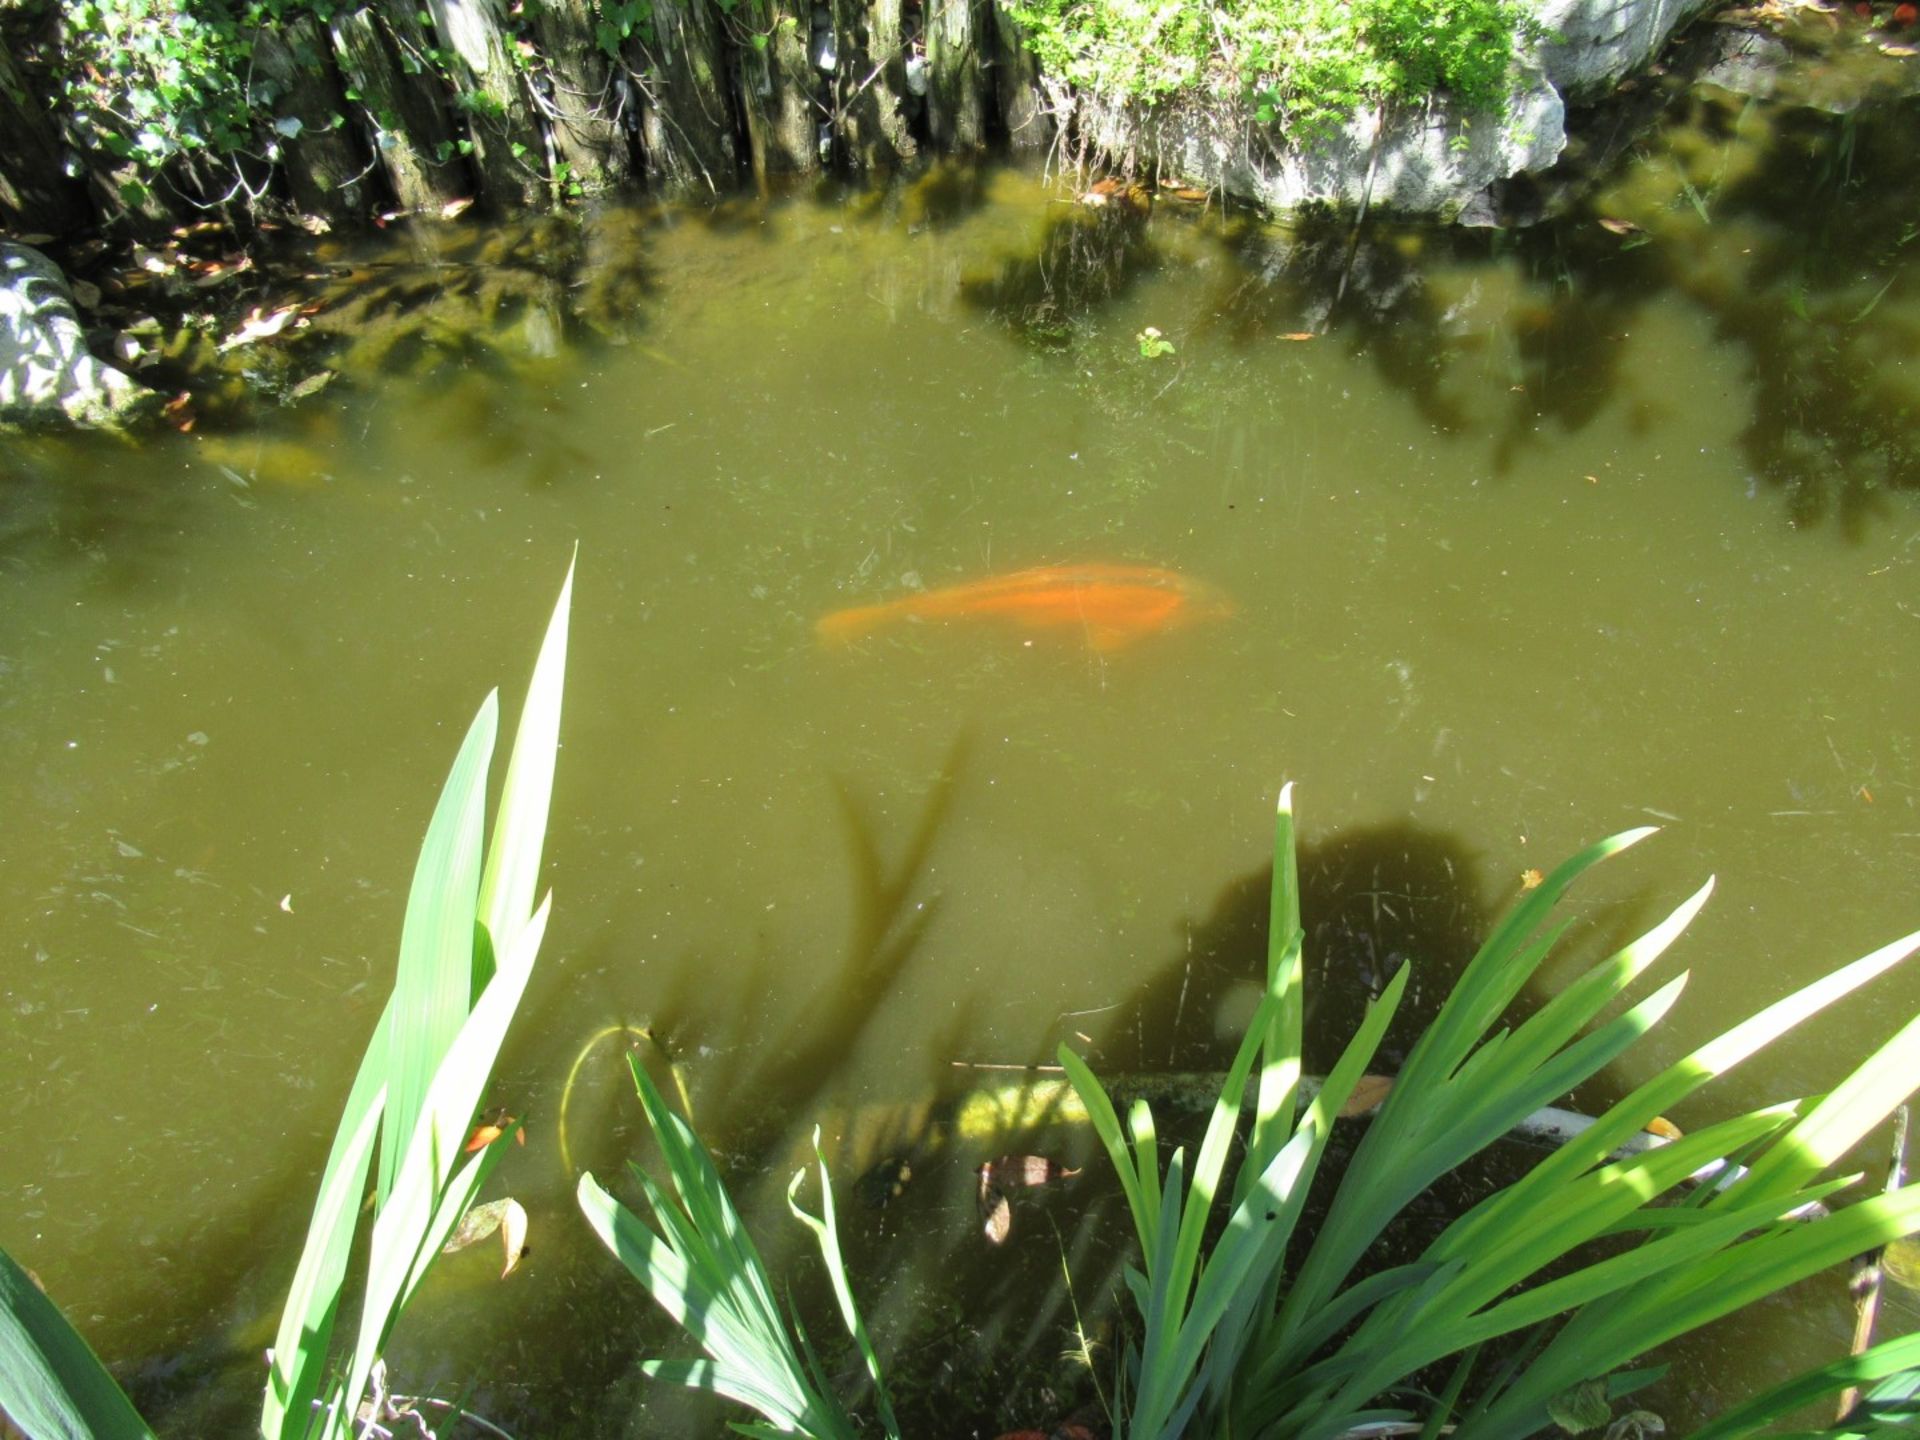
843,627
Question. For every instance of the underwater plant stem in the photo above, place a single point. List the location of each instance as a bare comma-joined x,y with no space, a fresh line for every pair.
1867,1303
580,1059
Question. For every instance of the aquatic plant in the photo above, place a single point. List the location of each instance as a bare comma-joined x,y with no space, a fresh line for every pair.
1241,1338
51,1382
1532,1297
702,1268
467,948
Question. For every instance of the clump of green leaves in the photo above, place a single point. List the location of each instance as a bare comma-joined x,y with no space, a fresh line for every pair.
616,20
1304,64
1153,344
151,79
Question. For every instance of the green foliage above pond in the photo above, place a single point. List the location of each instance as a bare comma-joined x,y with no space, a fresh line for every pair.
1305,64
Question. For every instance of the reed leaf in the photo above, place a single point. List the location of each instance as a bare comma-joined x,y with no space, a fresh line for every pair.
52,1385
433,989
701,1267
1890,1358
512,873
826,1230
427,1064
297,1370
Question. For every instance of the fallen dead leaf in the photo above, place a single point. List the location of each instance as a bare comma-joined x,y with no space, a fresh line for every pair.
258,326
507,1216
491,1127
477,1224
1368,1095
996,1213
513,1235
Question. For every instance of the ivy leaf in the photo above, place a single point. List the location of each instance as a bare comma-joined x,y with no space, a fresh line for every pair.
1583,1407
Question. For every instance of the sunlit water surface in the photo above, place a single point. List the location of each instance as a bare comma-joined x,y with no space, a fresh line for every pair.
1518,552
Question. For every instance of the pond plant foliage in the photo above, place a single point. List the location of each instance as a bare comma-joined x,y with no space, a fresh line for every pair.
1538,1324
468,943
467,947
1537,1307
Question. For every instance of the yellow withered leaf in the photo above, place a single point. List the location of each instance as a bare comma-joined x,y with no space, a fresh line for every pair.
507,1216
1367,1096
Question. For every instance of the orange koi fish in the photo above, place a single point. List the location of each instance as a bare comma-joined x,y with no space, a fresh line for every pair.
1111,605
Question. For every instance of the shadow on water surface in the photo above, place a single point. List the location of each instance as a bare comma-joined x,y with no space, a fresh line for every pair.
1086,258
1770,224
1777,224
993,1334
1776,229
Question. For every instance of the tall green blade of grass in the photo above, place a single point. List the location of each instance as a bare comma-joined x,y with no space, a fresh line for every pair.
52,1385
1449,1101
1321,1361
405,1223
826,1231
1888,1359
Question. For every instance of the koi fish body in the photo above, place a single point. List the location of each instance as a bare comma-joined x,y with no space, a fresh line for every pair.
1111,605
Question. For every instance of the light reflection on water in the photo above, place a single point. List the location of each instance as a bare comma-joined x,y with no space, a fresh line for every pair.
1504,581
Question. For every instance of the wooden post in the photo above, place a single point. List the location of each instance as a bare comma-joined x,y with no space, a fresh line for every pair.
325,166
868,85
509,150
687,121
777,82
957,86
382,54
588,114
1023,116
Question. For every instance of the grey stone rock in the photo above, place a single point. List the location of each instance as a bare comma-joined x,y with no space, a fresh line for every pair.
1592,45
1434,161
47,374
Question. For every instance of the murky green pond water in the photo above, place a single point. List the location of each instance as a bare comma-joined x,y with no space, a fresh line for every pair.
1533,539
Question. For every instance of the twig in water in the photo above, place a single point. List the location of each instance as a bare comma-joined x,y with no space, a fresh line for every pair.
990,1065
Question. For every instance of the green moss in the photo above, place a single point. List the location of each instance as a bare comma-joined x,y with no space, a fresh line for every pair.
1302,64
